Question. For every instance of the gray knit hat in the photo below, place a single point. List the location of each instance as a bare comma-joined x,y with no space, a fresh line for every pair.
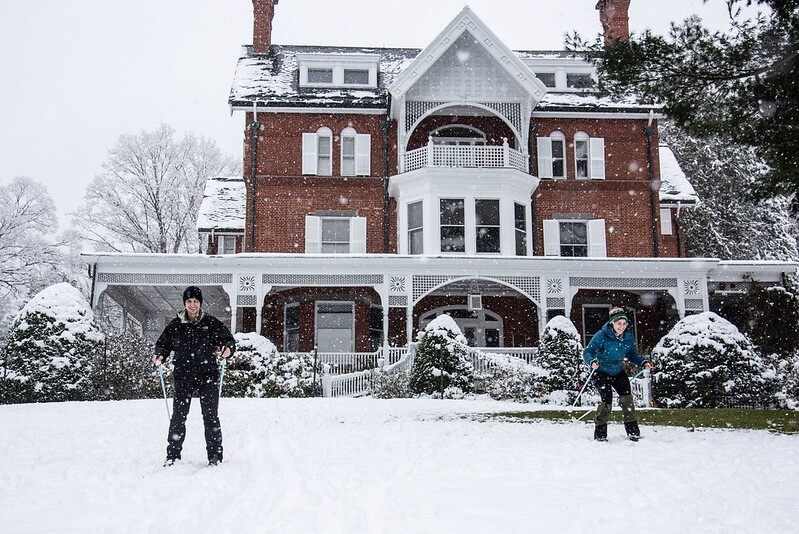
616,314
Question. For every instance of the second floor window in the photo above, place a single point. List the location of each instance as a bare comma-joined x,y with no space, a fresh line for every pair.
415,228
520,224
575,238
335,233
552,156
317,152
589,156
487,225
453,229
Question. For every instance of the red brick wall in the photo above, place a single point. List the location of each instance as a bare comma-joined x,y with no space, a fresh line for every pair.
284,196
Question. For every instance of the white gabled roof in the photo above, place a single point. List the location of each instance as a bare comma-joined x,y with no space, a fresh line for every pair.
467,21
223,205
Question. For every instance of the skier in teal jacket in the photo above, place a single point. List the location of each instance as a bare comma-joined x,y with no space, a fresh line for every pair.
605,353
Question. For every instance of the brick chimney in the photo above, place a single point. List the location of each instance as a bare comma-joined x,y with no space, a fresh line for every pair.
614,19
263,11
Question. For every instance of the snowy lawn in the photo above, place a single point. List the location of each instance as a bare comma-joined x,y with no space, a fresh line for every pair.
394,466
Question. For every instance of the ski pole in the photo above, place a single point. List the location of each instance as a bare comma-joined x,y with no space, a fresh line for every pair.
222,375
163,388
637,375
587,380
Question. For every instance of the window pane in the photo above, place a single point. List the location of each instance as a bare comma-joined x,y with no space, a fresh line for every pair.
348,155
573,233
581,157
292,317
415,215
320,75
547,78
415,242
323,163
521,243
336,229
520,216
579,81
488,239
557,149
452,211
452,239
356,77
487,212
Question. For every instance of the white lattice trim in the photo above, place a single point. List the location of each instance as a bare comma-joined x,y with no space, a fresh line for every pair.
397,301
596,282
249,301
165,279
323,279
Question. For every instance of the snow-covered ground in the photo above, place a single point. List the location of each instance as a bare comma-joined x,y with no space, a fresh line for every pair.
393,466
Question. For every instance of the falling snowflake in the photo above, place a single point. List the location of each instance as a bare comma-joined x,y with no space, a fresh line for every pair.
247,283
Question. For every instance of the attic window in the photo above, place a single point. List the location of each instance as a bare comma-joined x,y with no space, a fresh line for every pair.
320,76
578,81
547,78
356,77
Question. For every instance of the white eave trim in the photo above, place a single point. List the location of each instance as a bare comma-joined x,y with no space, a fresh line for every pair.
290,109
595,115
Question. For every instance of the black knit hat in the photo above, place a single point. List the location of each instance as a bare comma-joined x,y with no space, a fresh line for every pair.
192,292
616,314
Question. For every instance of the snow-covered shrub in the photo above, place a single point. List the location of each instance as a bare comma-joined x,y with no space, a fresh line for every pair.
390,384
441,364
560,353
51,349
252,349
271,374
788,394
511,378
124,369
705,362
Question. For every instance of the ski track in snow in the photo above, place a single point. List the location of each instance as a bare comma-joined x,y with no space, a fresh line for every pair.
382,466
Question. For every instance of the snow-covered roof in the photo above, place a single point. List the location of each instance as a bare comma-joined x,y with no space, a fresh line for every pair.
223,205
674,186
273,81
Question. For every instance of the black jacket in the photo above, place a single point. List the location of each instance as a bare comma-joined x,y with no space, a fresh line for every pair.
195,345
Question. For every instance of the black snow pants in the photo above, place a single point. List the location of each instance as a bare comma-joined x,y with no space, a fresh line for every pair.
207,387
605,384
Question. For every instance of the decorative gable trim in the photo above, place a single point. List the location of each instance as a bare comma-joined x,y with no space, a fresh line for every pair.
468,21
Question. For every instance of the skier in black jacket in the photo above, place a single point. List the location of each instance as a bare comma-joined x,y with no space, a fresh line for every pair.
195,338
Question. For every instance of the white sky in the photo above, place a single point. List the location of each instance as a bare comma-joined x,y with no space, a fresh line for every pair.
74,75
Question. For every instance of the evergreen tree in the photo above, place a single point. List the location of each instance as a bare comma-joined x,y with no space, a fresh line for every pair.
52,348
560,353
742,84
729,223
705,362
441,365
774,316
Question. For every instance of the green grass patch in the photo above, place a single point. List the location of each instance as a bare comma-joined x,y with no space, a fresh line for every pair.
779,421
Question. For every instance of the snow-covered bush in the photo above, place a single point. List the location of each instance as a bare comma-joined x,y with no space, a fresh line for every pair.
259,370
788,394
51,349
511,378
560,353
252,350
705,362
390,384
124,369
441,365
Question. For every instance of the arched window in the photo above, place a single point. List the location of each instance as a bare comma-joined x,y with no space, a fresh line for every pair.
317,152
552,155
458,134
582,158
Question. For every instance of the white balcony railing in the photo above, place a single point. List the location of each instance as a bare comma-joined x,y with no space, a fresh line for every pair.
465,156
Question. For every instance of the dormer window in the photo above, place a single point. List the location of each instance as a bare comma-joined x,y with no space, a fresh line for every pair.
320,76
338,70
579,81
547,78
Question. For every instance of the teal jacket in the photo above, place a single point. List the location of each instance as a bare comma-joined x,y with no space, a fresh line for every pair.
609,351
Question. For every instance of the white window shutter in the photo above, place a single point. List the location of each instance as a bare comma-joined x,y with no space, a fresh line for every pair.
309,159
363,154
544,157
596,239
313,234
358,235
665,221
551,237
597,152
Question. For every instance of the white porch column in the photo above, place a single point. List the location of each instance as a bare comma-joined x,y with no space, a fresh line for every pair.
263,291
409,324
230,289
677,295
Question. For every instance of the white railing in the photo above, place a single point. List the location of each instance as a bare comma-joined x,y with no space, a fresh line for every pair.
465,156
348,362
528,354
360,383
